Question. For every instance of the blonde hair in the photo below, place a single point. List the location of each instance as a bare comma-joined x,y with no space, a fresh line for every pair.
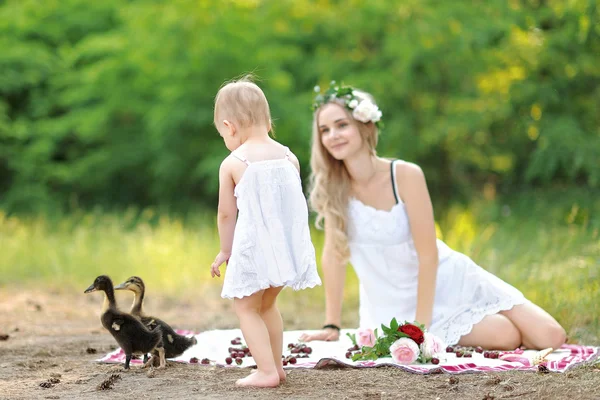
242,102
330,181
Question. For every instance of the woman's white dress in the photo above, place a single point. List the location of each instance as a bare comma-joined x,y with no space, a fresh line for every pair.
385,260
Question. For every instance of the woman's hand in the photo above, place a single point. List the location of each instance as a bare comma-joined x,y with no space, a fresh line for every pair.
327,335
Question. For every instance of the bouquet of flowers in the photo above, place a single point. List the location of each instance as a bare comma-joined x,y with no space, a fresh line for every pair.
405,344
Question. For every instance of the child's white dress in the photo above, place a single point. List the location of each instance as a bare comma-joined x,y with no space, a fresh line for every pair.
386,262
271,244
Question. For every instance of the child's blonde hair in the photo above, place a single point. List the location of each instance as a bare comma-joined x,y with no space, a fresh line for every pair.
242,102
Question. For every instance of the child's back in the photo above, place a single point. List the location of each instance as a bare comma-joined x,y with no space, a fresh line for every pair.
271,245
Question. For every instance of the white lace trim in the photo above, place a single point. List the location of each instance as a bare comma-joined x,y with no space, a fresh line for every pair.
463,323
371,225
255,287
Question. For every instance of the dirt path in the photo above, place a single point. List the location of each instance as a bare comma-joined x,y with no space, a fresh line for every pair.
52,333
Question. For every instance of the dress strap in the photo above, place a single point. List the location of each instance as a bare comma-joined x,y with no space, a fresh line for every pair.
287,153
240,157
394,182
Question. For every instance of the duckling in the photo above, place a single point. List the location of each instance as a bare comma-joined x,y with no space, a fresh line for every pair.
129,332
174,343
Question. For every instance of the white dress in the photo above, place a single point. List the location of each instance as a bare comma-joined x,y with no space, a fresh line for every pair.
271,243
386,262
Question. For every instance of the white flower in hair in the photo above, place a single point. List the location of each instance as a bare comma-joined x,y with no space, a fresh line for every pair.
353,103
366,111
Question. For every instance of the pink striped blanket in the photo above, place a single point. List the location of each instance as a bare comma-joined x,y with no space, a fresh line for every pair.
213,349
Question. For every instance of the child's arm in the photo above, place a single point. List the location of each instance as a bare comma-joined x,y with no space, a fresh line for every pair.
294,161
226,216
420,214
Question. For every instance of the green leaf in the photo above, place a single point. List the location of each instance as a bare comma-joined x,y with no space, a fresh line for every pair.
352,337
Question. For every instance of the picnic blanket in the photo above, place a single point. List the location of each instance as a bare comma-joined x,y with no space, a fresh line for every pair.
213,347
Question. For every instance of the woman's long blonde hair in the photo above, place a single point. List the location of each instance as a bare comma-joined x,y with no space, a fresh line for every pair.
330,181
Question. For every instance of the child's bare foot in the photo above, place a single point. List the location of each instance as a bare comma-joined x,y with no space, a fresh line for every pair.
280,371
282,374
259,379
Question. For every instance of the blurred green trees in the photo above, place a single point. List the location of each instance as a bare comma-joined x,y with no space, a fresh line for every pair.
111,102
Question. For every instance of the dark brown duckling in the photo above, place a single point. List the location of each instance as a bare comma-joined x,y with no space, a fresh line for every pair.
129,332
174,343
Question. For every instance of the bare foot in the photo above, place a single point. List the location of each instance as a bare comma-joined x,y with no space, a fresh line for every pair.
259,379
282,374
280,371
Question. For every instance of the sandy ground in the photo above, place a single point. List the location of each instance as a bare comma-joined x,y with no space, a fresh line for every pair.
52,333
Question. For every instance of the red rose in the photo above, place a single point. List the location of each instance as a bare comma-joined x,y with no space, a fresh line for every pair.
413,331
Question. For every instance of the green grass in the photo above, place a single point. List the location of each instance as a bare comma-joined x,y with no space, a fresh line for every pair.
546,246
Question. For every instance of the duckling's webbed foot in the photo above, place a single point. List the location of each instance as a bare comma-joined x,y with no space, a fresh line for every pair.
150,362
161,355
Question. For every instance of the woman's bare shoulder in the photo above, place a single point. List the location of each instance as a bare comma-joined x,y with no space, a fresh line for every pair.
408,170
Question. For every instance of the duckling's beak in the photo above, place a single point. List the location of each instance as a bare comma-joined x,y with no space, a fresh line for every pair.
122,286
90,289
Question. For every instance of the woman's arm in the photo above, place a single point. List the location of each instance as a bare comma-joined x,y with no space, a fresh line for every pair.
334,279
414,193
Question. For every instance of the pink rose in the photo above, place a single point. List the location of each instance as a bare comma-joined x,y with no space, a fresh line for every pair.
365,337
432,345
404,351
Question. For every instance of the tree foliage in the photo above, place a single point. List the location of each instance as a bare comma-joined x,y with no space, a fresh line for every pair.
111,102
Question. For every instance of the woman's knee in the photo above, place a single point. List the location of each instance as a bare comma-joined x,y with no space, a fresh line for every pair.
511,339
495,332
552,336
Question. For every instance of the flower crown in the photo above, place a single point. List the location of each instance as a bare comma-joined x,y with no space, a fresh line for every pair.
363,110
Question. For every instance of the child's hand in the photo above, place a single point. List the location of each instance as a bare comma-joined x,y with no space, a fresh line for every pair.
220,259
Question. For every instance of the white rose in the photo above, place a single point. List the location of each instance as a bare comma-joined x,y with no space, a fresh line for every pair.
376,116
432,345
366,111
404,351
353,103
